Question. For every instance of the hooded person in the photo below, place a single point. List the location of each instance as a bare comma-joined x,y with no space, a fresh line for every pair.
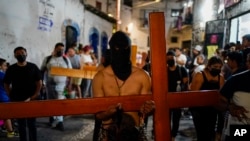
120,46
120,78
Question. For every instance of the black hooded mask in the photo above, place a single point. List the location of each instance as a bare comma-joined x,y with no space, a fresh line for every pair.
120,47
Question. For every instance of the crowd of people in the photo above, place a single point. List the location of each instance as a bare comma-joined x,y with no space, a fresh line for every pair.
227,71
224,71
24,81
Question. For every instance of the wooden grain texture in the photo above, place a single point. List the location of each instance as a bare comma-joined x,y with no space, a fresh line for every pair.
159,75
86,72
192,98
68,107
92,105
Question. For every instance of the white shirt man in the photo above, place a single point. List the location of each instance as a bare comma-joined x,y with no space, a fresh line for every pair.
181,59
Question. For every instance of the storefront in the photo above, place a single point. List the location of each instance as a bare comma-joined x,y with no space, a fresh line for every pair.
239,26
238,14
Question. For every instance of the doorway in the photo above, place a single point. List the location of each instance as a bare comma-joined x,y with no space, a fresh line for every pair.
71,37
186,47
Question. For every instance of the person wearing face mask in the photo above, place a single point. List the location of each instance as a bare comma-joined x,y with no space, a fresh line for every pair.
55,85
22,82
4,98
176,74
205,118
236,100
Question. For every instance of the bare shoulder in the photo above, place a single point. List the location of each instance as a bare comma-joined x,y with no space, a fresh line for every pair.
198,77
222,80
138,72
196,81
222,77
98,75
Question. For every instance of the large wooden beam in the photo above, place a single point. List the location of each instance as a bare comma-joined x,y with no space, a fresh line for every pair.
159,75
87,72
193,98
92,105
68,107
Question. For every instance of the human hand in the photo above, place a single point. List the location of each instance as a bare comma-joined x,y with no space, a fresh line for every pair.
88,63
105,115
237,111
148,107
113,109
28,99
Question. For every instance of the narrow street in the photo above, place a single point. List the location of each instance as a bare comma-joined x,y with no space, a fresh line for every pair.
80,128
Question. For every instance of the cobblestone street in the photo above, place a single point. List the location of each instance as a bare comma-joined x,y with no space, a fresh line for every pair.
80,128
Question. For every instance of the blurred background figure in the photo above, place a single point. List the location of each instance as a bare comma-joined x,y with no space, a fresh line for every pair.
87,59
201,61
5,98
75,62
181,59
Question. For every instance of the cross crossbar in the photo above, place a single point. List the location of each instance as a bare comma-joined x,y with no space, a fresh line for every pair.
163,100
71,107
87,72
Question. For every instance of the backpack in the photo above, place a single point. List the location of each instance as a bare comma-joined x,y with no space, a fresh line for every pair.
43,94
64,58
48,58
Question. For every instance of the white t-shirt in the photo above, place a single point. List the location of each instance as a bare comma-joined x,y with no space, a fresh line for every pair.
57,62
86,58
199,68
181,57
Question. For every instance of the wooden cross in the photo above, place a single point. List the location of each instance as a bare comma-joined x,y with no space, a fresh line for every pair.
163,100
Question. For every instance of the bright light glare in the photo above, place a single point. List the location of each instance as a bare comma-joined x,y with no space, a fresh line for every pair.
130,27
110,15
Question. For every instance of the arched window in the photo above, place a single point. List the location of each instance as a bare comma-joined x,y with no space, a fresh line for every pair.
70,33
94,40
71,36
104,42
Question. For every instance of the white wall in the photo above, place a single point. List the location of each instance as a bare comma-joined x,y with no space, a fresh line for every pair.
140,35
19,20
102,25
170,21
93,3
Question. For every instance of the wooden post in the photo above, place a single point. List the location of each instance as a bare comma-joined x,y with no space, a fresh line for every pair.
159,75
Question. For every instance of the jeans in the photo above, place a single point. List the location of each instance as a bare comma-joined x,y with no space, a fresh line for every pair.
55,91
31,133
86,88
176,116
